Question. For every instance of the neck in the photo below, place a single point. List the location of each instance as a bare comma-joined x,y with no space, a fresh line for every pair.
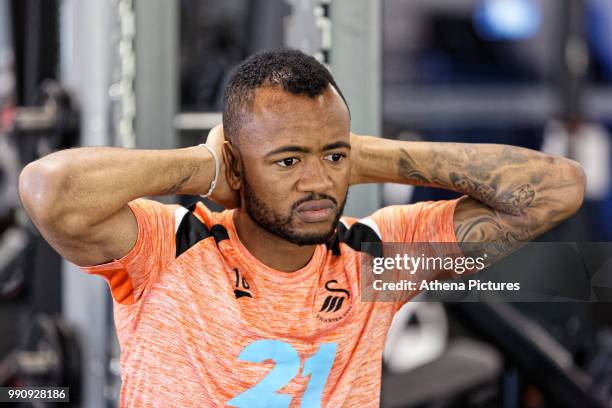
270,249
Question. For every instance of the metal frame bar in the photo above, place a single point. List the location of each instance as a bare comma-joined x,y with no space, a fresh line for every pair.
84,62
356,62
156,72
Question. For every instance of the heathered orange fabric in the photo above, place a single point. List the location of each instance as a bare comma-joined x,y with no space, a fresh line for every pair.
181,326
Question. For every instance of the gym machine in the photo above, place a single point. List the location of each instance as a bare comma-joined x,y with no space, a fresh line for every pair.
49,356
39,348
537,358
47,348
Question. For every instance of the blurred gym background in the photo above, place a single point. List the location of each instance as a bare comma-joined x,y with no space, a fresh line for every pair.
150,74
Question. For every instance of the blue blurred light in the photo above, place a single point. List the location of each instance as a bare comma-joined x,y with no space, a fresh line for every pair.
508,20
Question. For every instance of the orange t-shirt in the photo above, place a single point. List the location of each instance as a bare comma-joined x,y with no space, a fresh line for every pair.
202,323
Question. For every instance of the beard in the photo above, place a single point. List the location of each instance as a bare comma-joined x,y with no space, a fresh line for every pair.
283,225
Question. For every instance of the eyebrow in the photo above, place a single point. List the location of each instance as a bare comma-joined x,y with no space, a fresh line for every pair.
301,149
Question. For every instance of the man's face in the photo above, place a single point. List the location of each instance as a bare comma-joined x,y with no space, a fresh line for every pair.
295,155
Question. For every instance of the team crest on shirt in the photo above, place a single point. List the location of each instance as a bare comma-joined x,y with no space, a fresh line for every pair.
241,287
336,304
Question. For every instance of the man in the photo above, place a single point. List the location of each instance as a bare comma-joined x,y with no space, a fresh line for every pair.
260,306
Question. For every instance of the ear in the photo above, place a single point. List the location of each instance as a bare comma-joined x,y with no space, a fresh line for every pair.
233,166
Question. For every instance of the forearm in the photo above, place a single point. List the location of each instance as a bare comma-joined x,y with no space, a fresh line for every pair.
507,178
94,183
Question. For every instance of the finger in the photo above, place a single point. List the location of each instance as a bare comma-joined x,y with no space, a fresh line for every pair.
215,132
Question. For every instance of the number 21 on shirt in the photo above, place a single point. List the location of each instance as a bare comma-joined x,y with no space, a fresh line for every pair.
287,366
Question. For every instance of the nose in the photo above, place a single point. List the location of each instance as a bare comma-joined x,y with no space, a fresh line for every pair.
314,178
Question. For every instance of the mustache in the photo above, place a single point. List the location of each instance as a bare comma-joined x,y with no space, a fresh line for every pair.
311,197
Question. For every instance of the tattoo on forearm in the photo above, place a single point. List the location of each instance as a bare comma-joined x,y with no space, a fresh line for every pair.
407,169
177,187
487,231
475,164
480,191
514,202
503,226
473,174
514,194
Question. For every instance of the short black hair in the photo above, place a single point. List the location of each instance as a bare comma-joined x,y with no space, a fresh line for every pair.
291,70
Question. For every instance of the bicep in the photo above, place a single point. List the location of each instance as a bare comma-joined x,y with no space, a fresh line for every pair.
88,245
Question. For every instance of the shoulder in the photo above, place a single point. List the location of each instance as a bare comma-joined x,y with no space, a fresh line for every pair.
412,222
197,222
354,232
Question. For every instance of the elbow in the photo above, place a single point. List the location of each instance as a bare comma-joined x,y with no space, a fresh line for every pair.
39,190
576,179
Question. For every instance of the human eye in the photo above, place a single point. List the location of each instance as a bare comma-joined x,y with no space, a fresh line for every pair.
288,162
335,157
